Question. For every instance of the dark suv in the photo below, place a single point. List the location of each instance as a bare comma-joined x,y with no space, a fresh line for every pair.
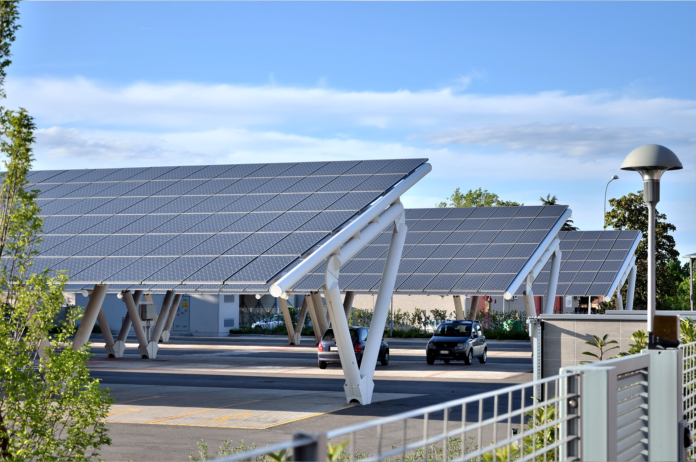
328,352
457,340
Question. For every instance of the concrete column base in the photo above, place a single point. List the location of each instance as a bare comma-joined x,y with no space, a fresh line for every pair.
151,349
361,393
118,348
164,338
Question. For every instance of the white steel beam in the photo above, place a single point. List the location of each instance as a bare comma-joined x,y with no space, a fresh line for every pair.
92,310
458,309
381,311
164,338
539,258
354,229
631,287
348,303
137,325
528,295
319,313
120,343
153,345
106,332
550,299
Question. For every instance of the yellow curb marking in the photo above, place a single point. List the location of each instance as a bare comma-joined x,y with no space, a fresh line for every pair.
122,411
199,412
239,415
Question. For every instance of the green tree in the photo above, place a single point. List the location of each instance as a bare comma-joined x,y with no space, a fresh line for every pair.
476,198
50,408
631,212
553,200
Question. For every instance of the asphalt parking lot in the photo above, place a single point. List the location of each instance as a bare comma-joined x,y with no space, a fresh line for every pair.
259,390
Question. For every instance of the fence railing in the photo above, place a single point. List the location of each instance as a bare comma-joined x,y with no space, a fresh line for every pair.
689,390
621,409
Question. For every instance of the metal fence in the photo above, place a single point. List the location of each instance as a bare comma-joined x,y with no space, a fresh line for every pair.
601,411
689,389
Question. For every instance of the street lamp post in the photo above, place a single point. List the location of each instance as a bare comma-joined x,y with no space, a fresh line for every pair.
613,177
691,258
651,161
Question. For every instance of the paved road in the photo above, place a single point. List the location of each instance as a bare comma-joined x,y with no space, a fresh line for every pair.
200,389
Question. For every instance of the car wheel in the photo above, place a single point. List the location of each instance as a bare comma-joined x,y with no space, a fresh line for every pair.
322,364
484,356
447,361
469,358
385,360
430,360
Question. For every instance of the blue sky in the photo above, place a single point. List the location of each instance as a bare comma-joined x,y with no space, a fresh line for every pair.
522,99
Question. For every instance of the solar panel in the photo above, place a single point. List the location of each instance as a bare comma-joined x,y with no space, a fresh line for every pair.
174,223
453,250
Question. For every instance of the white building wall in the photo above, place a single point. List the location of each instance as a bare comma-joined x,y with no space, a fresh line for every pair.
205,315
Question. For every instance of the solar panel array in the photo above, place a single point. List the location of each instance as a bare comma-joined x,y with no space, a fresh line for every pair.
451,250
202,226
590,262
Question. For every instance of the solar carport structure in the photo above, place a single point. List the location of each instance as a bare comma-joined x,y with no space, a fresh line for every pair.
595,263
460,251
211,229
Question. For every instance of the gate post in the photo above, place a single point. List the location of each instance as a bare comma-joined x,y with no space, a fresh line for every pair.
665,407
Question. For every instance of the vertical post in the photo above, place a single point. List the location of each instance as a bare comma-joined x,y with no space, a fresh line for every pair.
386,289
473,309
528,295
313,316
162,318
319,313
391,322
348,303
458,309
651,266
106,332
120,343
619,299
314,451
301,321
550,298
354,386
92,310
631,288
164,338
137,325
691,282
288,320
535,334
665,406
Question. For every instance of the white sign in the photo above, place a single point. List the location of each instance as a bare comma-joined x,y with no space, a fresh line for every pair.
569,302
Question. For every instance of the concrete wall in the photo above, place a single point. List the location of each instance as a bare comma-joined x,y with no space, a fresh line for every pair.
564,337
228,310
205,314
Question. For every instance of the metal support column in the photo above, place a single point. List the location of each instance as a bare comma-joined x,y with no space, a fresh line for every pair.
458,309
301,321
153,345
106,332
473,309
288,320
91,312
631,288
319,312
120,343
528,295
665,402
313,317
618,300
381,311
348,303
137,325
164,338
550,298
356,389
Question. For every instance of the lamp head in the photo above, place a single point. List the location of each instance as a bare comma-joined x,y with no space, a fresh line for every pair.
651,161
615,177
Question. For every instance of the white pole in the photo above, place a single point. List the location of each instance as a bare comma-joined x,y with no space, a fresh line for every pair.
631,288
550,300
651,265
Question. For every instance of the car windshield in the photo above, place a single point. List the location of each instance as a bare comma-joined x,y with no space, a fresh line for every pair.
329,336
453,330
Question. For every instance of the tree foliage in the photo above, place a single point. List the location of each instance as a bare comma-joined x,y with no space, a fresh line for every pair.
50,408
631,212
553,200
476,198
